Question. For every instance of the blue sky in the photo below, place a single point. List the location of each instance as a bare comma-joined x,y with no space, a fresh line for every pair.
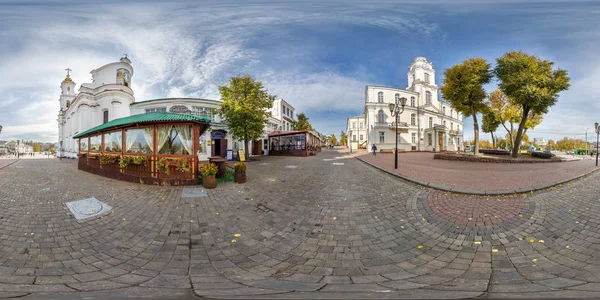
318,55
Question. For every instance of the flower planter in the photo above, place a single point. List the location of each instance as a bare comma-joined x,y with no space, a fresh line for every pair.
209,181
239,177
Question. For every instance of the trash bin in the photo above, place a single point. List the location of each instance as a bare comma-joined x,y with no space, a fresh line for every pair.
220,162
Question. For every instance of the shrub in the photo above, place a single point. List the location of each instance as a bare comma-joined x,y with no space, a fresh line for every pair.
209,168
542,155
494,152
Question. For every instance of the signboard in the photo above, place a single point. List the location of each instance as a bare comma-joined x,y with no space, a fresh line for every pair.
217,135
180,109
229,154
207,143
241,153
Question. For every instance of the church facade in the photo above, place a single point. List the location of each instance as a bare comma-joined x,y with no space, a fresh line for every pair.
109,96
428,123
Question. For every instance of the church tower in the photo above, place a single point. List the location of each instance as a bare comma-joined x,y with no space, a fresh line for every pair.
421,79
67,91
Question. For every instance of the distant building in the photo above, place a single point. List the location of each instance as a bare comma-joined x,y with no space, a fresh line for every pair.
356,129
541,142
428,123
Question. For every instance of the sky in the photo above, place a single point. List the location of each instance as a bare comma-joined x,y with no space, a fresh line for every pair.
317,55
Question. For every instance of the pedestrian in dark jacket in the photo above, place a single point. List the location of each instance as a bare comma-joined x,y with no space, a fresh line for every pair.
374,148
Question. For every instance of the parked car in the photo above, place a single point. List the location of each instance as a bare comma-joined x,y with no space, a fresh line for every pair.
569,152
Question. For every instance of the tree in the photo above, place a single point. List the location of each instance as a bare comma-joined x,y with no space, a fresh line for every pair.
490,124
332,139
302,123
551,144
36,147
485,144
244,107
463,87
501,143
531,84
343,138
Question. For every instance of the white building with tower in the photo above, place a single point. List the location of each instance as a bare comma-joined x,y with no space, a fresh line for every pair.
109,96
428,123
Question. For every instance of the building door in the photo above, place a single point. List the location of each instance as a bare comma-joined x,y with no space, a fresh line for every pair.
256,147
441,141
216,147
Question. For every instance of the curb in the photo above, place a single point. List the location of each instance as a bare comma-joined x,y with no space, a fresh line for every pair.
9,164
477,192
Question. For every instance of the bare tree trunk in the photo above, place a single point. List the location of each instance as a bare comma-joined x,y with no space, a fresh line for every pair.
476,129
517,143
493,140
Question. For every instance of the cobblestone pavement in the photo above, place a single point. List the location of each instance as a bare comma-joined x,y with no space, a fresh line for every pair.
480,176
318,230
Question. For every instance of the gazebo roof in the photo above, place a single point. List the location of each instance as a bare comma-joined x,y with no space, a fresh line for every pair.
145,118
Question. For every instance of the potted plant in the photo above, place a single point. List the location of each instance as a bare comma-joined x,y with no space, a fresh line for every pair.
209,171
240,172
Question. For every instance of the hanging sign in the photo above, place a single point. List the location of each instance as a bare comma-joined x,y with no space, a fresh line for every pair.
217,135
241,153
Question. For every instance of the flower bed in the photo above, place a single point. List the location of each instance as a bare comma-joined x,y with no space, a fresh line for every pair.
492,159
494,152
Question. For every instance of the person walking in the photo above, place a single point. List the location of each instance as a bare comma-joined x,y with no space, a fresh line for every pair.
374,148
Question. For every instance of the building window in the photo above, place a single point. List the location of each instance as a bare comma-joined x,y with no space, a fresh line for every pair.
413,138
203,112
381,117
428,97
361,137
354,137
353,125
381,137
412,101
397,98
451,113
158,109
430,122
457,127
429,139
361,124
175,139
105,116
457,141
68,103
427,77
380,97
443,110
113,141
139,140
412,119
444,123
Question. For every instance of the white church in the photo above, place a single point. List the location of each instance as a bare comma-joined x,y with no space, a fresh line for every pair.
427,123
109,96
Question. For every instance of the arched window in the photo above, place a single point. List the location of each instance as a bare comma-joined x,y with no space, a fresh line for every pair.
428,97
430,122
451,126
444,123
397,98
412,101
443,110
380,97
451,113
105,116
381,117
412,119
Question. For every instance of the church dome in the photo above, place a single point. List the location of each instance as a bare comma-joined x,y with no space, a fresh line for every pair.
68,79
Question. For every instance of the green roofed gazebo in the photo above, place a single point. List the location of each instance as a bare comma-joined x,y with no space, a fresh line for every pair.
153,148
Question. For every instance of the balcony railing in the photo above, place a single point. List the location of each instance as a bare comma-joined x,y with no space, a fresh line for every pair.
454,132
391,125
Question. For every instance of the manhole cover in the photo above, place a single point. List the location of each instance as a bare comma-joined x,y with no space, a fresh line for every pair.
291,167
87,208
193,193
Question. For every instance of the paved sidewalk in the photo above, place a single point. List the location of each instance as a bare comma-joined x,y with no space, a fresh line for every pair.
321,227
479,178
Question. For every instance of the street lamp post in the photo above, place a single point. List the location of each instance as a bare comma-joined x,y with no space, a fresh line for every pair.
396,109
349,138
597,134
